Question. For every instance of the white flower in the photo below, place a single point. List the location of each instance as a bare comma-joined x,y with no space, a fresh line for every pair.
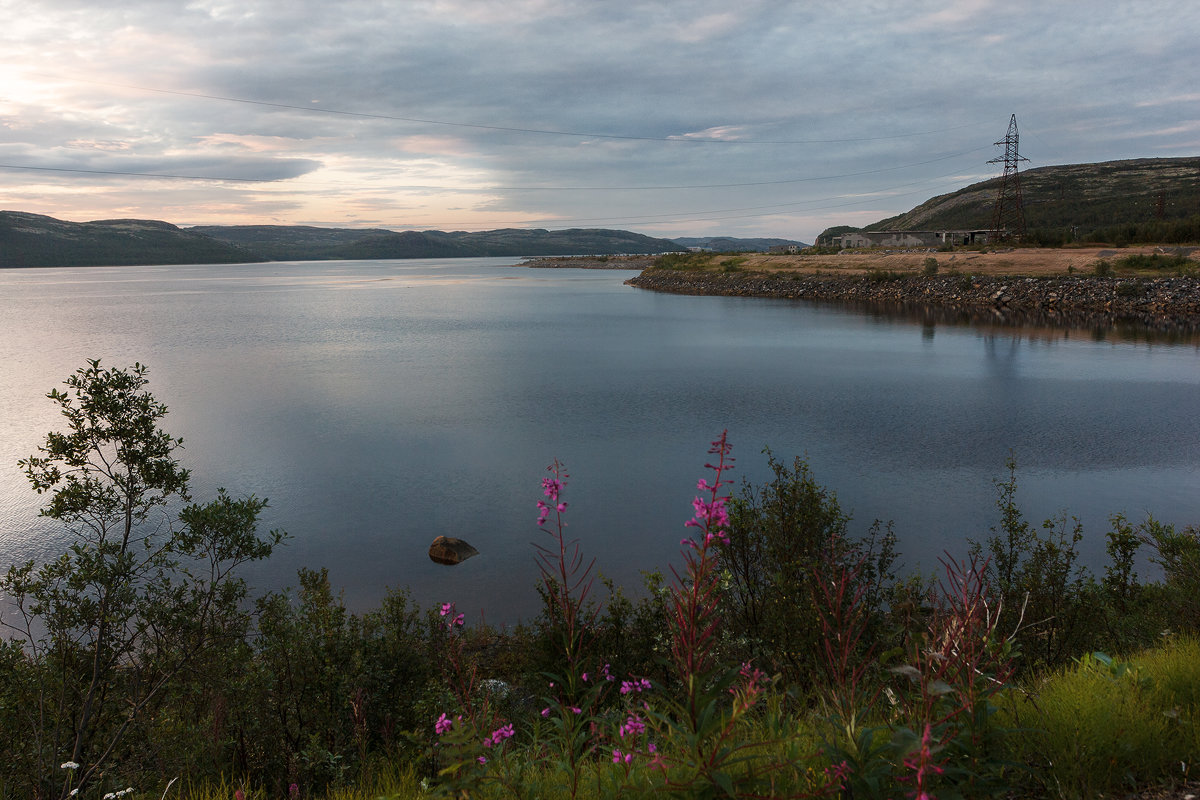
68,765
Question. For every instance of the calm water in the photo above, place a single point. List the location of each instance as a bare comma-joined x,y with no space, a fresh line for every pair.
379,404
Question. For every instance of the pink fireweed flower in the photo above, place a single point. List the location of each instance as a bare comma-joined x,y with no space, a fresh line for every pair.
633,726
443,724
576,710
482,759
447,608
293,790
619,757
460,620
551,487
639,685
546,712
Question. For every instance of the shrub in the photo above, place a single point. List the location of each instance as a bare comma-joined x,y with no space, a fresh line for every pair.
1043,593
930,267
780,535
1154,261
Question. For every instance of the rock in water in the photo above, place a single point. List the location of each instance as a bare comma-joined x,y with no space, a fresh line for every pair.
450,551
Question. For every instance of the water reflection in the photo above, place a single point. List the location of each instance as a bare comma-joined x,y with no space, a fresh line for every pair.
1043,324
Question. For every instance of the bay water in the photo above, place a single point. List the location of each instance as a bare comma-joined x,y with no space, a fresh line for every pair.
378,404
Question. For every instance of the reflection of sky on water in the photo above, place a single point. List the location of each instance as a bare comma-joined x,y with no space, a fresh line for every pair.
378,404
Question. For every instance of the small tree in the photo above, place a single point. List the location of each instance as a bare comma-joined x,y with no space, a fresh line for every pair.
136,600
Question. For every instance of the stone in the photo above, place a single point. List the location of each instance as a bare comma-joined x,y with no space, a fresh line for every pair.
450,551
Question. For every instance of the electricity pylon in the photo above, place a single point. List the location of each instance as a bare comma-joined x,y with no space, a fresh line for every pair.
1008,216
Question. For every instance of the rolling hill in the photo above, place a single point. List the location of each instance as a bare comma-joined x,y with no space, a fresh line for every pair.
34,240
1081,196
289,242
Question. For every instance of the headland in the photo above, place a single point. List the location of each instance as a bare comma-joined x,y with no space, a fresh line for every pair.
1151,286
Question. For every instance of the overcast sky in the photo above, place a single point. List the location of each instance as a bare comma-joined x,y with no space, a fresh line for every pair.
748,118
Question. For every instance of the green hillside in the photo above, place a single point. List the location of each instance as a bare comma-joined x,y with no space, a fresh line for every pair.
1086,197
34,240
286,242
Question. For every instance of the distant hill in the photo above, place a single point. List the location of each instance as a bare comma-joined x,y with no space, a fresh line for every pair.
1084,196
33,240
293,242
728,244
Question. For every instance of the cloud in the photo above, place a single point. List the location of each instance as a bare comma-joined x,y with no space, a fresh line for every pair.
503,113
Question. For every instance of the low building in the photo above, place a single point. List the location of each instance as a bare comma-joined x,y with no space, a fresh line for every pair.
910,238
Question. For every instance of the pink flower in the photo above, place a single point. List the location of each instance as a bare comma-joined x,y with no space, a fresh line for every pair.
447,608
482,759
546,712
442,725
618,757
632,726
293,791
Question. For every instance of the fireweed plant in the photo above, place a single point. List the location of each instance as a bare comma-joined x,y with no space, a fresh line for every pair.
939,734
715,755
623,733
566,580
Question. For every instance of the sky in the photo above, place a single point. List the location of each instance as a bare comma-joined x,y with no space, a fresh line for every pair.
760,118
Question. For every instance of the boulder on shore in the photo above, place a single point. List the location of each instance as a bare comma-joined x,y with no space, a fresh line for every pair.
450,551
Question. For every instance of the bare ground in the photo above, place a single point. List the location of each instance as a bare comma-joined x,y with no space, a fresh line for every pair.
1031,261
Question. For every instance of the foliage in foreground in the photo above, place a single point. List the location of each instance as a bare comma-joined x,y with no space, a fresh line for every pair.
782,658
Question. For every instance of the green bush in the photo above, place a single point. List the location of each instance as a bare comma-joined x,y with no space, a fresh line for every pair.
780,535
930,267
1154,261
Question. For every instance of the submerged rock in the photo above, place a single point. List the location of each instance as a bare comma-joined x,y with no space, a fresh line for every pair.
450,551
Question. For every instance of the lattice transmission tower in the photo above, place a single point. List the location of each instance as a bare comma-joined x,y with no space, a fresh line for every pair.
1008,216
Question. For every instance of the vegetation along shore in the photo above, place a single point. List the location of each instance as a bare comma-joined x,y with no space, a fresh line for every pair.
784,655
1153,286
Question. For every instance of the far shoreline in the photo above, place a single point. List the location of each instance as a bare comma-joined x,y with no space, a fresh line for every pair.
1084,287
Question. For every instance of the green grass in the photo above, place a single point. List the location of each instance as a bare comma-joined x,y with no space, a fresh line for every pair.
1091,729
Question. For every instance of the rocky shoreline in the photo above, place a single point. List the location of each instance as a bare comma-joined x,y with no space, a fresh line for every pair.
1159,303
